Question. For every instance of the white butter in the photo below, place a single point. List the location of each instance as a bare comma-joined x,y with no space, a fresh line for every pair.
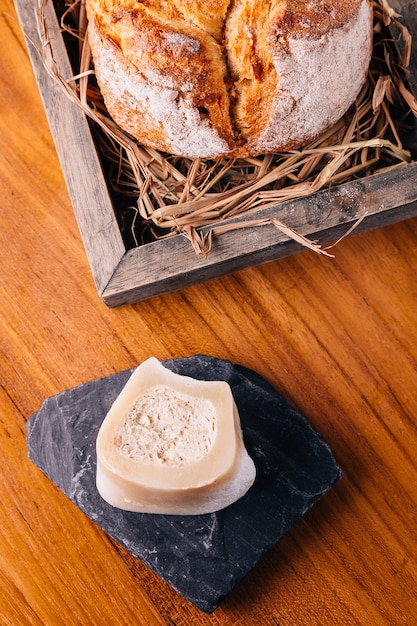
171,444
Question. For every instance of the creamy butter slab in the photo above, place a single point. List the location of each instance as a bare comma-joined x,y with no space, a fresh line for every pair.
171,444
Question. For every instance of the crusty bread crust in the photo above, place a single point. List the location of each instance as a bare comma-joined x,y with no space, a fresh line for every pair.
211,78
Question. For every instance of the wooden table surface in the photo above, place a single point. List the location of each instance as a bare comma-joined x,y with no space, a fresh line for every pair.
337,337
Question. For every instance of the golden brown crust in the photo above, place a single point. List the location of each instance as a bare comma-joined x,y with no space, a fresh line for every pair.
300,18
213,78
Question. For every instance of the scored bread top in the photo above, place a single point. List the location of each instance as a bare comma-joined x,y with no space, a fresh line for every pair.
219,78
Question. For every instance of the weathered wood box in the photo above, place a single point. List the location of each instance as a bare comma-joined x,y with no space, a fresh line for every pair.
125,275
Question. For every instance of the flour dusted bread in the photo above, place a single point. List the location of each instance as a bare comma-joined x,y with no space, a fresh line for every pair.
229,77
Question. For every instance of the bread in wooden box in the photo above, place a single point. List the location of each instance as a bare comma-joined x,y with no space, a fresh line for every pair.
229,78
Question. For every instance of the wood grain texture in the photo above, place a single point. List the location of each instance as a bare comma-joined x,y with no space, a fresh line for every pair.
75,148
153,269
337,337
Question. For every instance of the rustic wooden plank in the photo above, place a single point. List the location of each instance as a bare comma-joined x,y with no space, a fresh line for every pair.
325,217
76,150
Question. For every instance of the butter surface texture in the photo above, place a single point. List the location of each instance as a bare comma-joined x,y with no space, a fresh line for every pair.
171,444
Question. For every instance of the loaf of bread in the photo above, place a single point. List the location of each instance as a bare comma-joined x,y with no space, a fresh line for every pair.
215,78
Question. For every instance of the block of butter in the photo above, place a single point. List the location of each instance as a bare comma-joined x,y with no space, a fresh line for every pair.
171,444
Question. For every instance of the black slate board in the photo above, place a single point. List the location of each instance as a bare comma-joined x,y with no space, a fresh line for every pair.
202,557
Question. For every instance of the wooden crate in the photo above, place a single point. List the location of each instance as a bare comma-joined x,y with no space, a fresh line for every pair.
128,275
